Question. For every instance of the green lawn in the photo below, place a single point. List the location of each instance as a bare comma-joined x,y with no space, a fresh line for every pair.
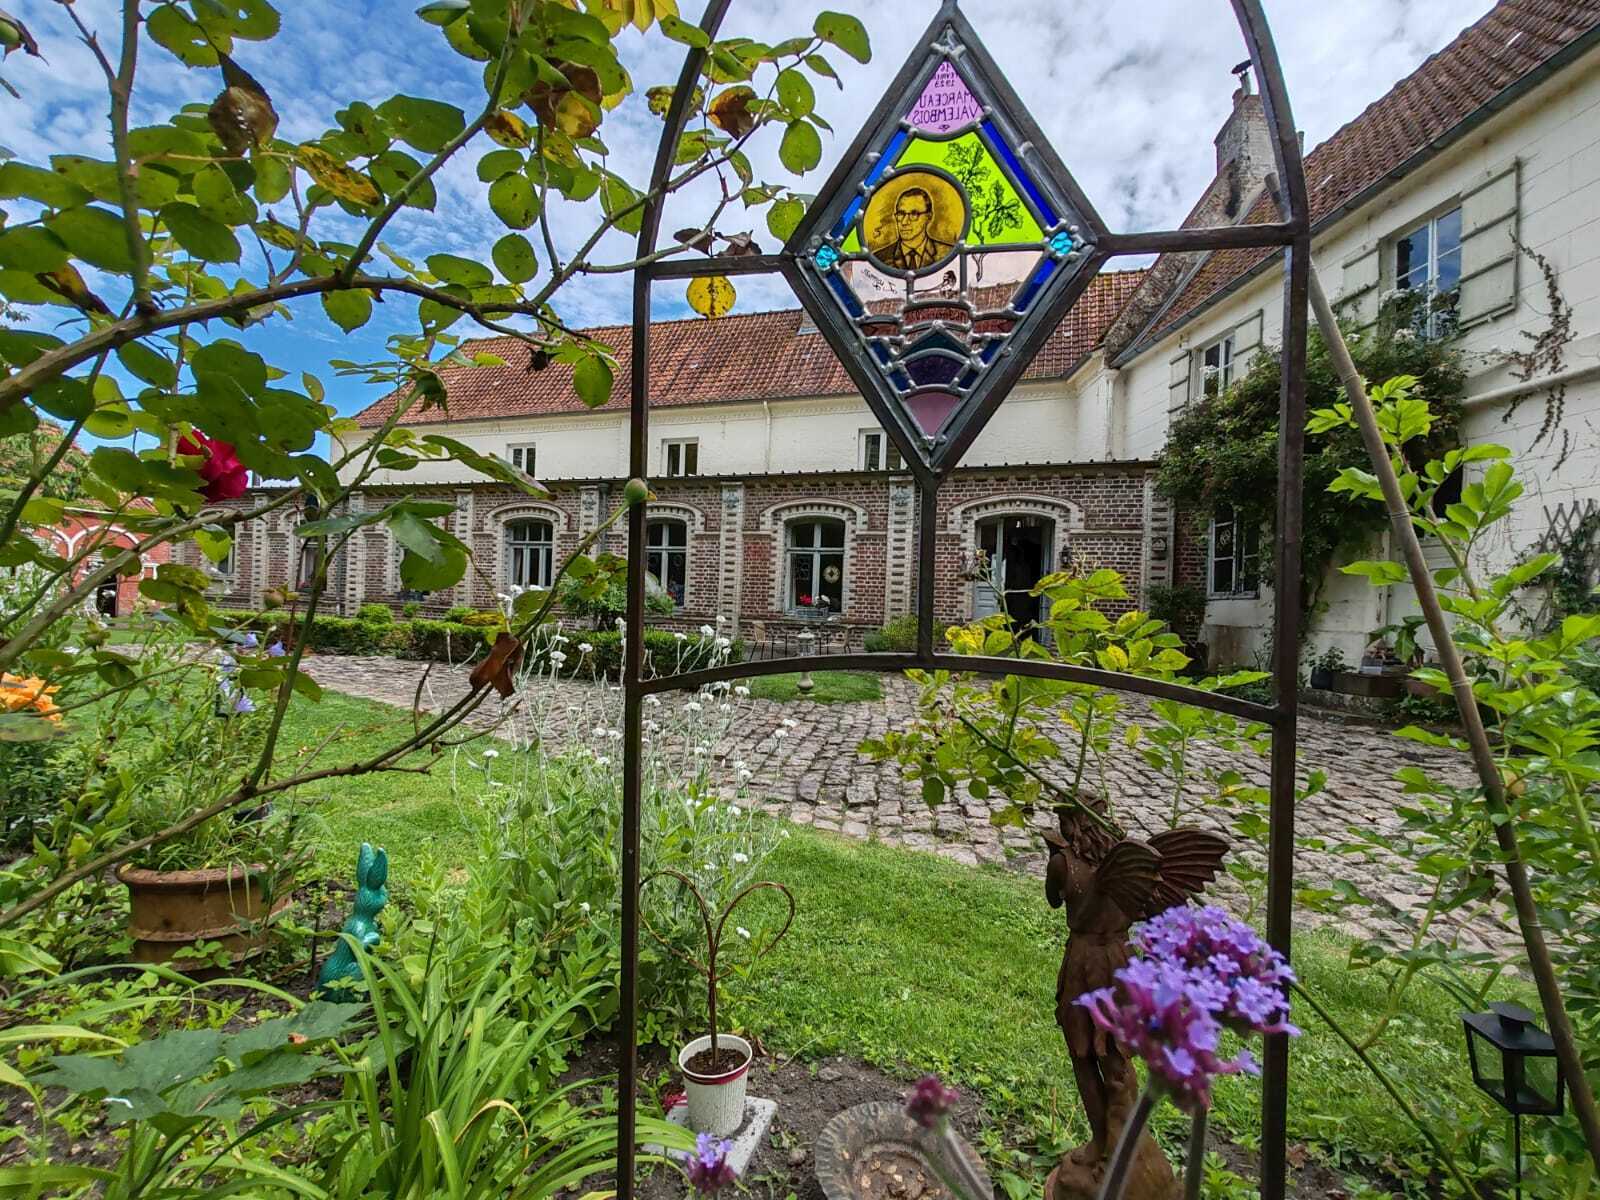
915,963
832,687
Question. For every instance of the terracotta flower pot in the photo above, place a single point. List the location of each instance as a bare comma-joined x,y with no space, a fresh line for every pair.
169,910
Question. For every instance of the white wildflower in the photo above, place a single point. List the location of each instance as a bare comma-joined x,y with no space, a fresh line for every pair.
602,761
682,637
699,750
707,631
780,734
585,648
790,722
742,932
721,620
584,908
651,726
723,643
740,857
707,867
724,707
557,657
720,685
741,691
491,754
745,776
614,734
560,639
691,706
653,701
735,811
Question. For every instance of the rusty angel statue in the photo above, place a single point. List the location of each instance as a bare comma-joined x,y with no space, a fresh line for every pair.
1107,882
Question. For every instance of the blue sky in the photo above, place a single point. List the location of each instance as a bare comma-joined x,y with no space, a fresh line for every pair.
1131,105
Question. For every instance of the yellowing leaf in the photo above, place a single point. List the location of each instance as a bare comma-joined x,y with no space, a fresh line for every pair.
345,183
712,296
730,112
507,128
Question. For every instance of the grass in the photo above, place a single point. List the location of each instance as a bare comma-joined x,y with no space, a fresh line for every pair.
832,687
914,963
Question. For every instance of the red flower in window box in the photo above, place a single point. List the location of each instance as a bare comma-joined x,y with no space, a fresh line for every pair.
805,601
225,476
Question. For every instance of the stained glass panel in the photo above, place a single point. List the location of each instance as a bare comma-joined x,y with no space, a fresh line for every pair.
949,232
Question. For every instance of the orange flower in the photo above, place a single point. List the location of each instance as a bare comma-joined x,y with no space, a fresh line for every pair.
18,693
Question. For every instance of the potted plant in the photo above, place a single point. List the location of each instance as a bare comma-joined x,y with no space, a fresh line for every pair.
1325,666
715,1065
227,877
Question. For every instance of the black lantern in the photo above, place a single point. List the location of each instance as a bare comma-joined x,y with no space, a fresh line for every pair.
1514,1061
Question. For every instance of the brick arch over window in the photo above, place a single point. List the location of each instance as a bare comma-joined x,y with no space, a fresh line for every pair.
1066,517
776,520
497,522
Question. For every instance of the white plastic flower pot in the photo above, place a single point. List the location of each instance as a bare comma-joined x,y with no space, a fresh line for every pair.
716,1102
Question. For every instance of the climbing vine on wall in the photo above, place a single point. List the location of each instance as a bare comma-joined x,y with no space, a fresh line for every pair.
1222,450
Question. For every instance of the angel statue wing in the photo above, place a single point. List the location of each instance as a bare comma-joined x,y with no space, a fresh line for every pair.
1145,878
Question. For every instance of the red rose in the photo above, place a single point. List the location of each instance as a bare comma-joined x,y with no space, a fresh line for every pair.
225,476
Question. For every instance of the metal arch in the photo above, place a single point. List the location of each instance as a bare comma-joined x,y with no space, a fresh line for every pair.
1293,234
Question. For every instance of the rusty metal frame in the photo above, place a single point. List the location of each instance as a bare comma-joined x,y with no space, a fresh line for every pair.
1293,235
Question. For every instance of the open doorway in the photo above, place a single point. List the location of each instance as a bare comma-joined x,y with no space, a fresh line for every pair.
1018,547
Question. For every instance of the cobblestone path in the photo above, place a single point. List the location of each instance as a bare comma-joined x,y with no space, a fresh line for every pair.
805,767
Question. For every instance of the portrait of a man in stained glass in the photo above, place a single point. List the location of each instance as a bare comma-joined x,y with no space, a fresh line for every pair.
914,220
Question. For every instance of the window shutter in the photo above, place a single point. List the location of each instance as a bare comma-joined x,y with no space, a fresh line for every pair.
1358,297
1178,384
1488,246
1246,341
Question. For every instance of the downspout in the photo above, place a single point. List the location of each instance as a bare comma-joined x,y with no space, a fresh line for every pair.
1113,412
766,456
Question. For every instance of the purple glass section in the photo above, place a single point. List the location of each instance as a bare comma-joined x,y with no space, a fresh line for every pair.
933,368
945,104
930,410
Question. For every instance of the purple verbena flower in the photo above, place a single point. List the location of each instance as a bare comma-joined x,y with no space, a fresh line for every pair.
227,665
1233,974
929,1102
250,641
709,1168
276,650
242,704
1155,1013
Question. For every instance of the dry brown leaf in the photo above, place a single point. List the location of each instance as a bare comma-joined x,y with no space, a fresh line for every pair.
730,111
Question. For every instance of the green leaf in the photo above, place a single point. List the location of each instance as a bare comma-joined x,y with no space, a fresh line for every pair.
683,33
110,421
349,309
19,180
592,379
845,32
512,199
199,234
823,67
426,124
485,464
31,248
64,397
783,218
451,269
801,148
169,27
417,572
620,201
499,163
219,197
417,536
95,235
148,365
795,94
1378,572
253,20
514,257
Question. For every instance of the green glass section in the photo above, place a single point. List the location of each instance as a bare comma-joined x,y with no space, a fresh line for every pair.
852,243
1000,217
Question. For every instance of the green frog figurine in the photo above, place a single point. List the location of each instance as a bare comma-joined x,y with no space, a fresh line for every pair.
372,874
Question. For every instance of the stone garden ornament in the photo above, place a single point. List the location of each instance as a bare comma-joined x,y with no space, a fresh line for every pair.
898,260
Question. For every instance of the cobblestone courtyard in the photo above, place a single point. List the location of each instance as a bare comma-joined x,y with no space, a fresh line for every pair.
806,768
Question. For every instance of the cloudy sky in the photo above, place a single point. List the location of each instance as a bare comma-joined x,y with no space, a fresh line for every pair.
1131,94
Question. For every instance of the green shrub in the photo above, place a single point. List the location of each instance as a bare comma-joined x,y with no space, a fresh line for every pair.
1182,607
899,635
377,614
410,609
458,613
486,619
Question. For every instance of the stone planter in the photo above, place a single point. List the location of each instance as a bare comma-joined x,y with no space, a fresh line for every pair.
169,910
716,1100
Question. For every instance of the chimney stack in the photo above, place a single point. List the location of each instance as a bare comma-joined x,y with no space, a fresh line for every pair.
1244,145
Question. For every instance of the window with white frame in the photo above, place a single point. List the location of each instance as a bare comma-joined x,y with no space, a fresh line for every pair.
814,553
680,456
521,456
1427,264
1215,364
666,556
878,453
529,548
1234,556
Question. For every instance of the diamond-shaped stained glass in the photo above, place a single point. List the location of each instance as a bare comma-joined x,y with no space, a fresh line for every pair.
945,247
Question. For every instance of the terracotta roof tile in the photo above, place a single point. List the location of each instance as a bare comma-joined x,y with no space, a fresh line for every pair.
1511,40
754,356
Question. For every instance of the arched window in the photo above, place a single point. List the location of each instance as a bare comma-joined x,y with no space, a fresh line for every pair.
667,556
529,545
814,548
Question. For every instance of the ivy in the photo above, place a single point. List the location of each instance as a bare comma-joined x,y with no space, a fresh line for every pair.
1222,450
